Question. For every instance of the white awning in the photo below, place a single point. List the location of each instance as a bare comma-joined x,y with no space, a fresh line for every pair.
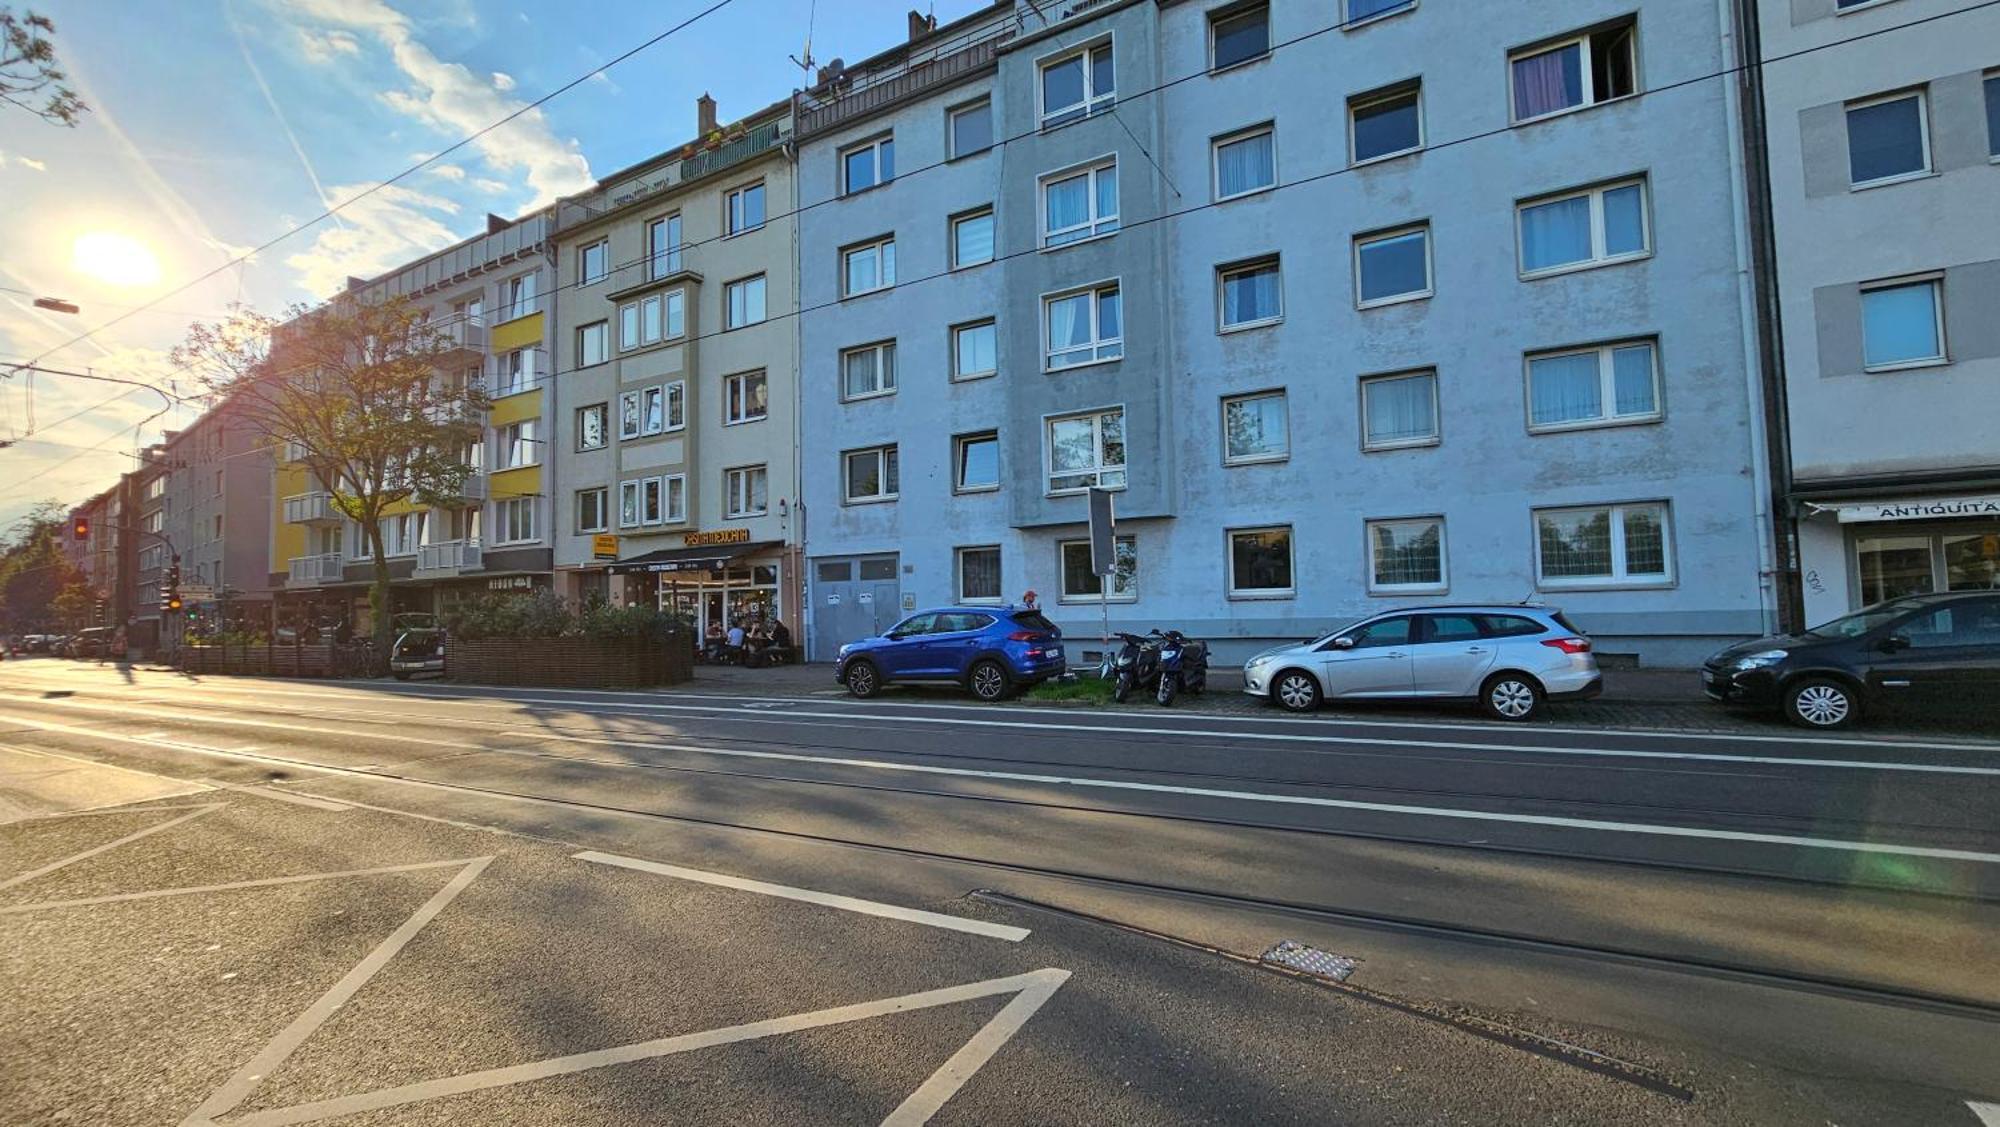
1911,508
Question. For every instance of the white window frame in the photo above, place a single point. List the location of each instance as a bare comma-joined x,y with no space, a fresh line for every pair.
583,335
1121,543
502,518
1098,467
1098,343
1618,576
882,455
730,392
662,262
1922,95
1376,586
603,427
1436,436
958,376
602,495
1097,226
1283,455
1396,91
637,417
1599,232
884,353
1094,101
652,501
517,371
736,488
874,144
1229,270
985,212
1430,266
958,575
732,209
1229,536
674,487
1348,21
885,265
1935,281
584,277
729,291
951,117
958,444
630,512
1228,15
1215,147
522,298
520,435
669,311
1580,40
1607,386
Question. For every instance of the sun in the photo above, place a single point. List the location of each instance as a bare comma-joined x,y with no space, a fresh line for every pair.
111,257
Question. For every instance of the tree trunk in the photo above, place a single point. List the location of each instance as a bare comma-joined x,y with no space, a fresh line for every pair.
378,595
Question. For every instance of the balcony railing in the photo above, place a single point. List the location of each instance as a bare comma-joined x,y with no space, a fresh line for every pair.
858,93
473,487
731,153
462,335
311,508
312,571
448,558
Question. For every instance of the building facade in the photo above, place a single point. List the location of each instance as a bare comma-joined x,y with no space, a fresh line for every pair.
1884,155
677,355
1482,333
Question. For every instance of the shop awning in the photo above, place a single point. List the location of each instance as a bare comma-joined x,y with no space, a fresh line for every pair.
1910,508
690,559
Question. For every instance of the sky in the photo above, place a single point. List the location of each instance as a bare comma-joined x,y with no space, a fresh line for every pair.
216,126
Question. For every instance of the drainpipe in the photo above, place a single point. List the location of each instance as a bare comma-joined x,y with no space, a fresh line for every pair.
795,552
551,448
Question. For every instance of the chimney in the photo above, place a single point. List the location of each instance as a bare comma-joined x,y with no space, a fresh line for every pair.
921,25
495,224
704,114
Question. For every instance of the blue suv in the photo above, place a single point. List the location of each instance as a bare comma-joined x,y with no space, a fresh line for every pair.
992,651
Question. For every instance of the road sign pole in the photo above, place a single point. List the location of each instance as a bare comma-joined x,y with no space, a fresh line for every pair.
1103,552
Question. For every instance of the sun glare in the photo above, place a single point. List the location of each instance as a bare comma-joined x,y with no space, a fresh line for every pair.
119,259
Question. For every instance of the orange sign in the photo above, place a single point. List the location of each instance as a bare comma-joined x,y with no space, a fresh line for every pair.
604,546
722,536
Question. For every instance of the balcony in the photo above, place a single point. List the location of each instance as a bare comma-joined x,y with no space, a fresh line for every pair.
462,337
866,89
474,487
449,558
314,571
311,508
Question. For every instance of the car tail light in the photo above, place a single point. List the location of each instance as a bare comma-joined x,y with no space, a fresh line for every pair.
1569,645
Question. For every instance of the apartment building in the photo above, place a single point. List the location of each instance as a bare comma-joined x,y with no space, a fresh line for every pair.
95,557
1883,124
1479,334
488,296
677,362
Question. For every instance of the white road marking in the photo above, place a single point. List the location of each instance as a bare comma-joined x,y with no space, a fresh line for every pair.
1989,1114
1030,991
265,882
238,1087
108,846
807,895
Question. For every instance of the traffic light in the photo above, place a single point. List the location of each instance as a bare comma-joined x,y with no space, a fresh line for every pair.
80,528
170,587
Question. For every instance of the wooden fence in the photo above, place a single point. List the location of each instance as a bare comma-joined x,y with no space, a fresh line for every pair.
571,663
301,659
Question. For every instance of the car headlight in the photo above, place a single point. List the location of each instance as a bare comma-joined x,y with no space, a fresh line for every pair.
1760,660
845,648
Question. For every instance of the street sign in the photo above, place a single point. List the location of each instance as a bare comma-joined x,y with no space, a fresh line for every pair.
1103,528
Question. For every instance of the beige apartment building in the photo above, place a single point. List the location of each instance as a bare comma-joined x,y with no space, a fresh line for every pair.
676,363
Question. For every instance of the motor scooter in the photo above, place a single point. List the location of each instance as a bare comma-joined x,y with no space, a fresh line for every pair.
1183,666
1135,664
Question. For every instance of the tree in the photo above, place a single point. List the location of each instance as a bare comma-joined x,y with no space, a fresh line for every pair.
74,603
359,389
28,70
33,568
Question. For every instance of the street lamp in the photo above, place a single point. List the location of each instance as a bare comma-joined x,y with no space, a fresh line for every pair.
56,305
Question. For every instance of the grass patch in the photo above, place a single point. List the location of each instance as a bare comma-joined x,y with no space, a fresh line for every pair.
1084,690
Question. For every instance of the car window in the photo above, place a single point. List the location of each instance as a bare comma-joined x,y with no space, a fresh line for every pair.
1034,620
1980,625
1383,632
1450,628
1514,626
951,623
915,624
1932,629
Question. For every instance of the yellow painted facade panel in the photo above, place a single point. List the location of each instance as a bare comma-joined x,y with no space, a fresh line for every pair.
523,482
514,408
523,333
288,540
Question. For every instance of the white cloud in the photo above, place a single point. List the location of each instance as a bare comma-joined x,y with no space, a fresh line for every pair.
491,187
450,172
386,229
502,81
24,162
322,46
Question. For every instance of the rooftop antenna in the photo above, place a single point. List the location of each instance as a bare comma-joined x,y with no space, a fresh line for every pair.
806,63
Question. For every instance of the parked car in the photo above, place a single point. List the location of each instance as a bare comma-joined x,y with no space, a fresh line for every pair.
91,641
417,650
1510,659
1919,652
992,651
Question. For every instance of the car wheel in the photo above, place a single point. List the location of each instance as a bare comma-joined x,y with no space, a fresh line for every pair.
1295,690
1511,696
401,675
1820,703
988,680
863,679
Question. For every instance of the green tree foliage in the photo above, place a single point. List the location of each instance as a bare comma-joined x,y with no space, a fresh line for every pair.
33,570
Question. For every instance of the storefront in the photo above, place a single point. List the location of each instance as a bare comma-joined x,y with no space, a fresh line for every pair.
1854,552
734,581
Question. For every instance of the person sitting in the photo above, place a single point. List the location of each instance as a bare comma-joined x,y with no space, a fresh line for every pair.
733,651
781,640
712,642
756,644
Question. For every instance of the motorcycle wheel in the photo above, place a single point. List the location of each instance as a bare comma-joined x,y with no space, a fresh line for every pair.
1123,688
1169,688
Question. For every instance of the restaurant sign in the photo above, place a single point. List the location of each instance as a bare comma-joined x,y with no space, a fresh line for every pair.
1935,508
604,546
720,536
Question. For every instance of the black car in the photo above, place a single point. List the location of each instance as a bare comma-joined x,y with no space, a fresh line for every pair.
1923,652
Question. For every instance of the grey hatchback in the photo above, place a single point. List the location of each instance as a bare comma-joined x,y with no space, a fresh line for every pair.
1509,659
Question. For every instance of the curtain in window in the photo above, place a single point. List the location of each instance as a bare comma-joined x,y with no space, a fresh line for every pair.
1068,202
1632,379
1548,82
1243,165
975,240
1624,220
1565,388
1069,322
1249,296
1554,234
979,574
1400,409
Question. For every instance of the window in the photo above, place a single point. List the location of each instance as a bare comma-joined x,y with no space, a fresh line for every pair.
518,445
1255,428
1888,139
1591,227
972,238
1079,205
746,398
978,574
520,296
1239,36
1260,562
652,319
1399,411
746,208
593,344
1993,115
743,302
1249,295
591,424
215,532
628,504
1902,325
516,520
975,350
593,262
1918,564
1081,583
1406,555
663,247
867,371
664,407
743,490
868,267
1392,266
869,475
971,128
1622,544
1077,85
517,370
630,423
975,460
1583,70
1385,123
867,164
1245,162
1359,11
1084,327
652,509
1087,450
1612,383
675,486
592,510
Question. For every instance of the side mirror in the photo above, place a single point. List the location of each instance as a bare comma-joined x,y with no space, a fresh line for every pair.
1894,643
1343,643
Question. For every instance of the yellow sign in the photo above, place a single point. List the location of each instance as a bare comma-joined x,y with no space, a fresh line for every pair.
604,546
723,536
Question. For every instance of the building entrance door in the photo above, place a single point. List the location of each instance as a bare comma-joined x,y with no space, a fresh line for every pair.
853,597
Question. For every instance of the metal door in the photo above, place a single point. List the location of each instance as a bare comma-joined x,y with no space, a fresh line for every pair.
852,598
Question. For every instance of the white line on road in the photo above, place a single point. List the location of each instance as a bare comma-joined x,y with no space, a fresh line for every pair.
807,895
953,1073
265,882
1989,1114
108,846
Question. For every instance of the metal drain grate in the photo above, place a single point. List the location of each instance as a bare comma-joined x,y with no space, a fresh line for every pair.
1297,956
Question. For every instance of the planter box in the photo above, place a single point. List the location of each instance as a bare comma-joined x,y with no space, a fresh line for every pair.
570,663
318,659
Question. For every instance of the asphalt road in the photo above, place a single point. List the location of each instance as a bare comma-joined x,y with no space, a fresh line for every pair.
1555,925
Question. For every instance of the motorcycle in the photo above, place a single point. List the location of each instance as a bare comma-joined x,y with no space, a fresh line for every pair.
1137,663
1183,665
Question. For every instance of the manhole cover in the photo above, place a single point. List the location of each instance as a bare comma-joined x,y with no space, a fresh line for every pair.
1297,956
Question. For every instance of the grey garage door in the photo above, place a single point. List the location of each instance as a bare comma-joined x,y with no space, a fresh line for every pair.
853,597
